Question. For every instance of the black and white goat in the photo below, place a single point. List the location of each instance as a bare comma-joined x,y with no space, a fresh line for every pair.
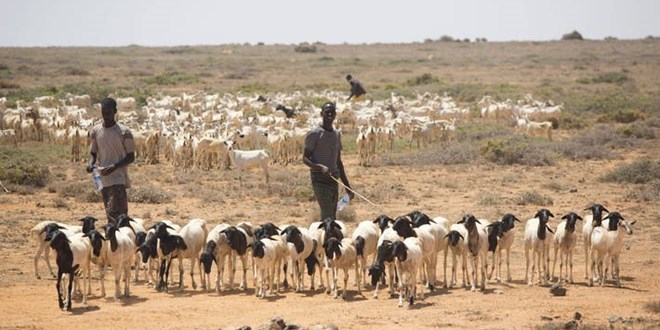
216,250
300,247
591,221
564,243
537,240
365,237
607,243
439,227
477,247
409,262
240,238
72,256
341,255
120,255
500,237
403,226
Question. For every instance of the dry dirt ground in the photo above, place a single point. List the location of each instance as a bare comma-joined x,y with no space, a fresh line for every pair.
450,191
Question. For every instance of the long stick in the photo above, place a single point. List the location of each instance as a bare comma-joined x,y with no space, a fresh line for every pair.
3,187
355,192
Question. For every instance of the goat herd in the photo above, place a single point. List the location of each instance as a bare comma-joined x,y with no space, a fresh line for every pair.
191,130
405,248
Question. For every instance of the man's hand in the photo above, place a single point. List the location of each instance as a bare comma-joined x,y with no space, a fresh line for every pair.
107,170
324,169
90,168
350,193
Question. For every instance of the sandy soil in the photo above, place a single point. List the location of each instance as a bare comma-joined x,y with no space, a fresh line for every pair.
450,191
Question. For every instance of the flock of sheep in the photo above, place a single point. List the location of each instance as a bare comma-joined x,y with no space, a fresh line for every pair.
192,130
404,249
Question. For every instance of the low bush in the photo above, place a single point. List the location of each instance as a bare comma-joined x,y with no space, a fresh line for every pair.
305,47
517,150
611,78
533,198
148,195
640,171
572,36
424,79
23,171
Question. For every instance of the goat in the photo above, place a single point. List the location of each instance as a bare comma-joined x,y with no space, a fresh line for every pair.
408,259
193,234
439,227
365,237
458,244
72,255
120,256
239,239
300,247
477,246
403,227
536,232
216,250
265,256
245,159
564,242
341,254
500,237
607,243
591,221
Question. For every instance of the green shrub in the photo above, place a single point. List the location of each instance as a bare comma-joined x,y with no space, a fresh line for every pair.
653,306
73,71
172,78
23,172
303,193
611,78
572,36
446,38
516,150
639,171
638,130
424,79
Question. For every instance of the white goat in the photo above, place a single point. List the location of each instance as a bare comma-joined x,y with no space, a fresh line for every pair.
38,233
457,243
120,256
477,246
501,233
300,248
265,256
245,159
607,243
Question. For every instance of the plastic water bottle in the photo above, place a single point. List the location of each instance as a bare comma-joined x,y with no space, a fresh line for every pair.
343,202
96,177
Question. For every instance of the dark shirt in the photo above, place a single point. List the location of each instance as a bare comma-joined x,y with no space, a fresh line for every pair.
325,147
356,88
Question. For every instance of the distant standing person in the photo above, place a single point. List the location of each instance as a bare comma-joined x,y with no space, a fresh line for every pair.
323,156
357,90
113,147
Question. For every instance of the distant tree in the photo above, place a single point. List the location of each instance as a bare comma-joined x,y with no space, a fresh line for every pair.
572,36
446,38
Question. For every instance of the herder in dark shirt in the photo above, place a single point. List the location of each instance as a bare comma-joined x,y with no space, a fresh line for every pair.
357,90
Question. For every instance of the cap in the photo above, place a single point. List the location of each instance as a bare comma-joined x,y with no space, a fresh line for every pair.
328,106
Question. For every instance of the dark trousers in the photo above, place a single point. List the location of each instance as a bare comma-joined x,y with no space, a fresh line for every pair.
326,192
115,201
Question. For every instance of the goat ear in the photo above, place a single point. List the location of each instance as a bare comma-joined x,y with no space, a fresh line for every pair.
461,221
632,223
477,221
566,216
446,235
516,219
548,227
579,217
431,220
604,209
607,216
550,214
320,226
461,236
588,208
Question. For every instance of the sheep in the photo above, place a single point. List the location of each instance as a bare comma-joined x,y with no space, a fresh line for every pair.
341,254
139,236
477,246
167,243
194,235
384,254
272,231
439,227
300,247
564,242
591,221
458,244
216,250
328,228
244,159
500,237
403,227
120,256
98,256
39,232
365,237
239,237
544,127
265,256
408,260
72,256
536,232
607,243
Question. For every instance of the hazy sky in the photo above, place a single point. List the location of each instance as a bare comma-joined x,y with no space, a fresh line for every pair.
195,22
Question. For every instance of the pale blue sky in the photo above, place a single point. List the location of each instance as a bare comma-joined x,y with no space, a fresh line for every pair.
195,22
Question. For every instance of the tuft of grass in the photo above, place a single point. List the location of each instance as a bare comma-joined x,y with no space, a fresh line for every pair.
303,193
572,36
424,79
611,78
533,198
148,195
653,306
305,47
172,78
74,71
647,193
640,171
488,199
60,203
23,168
